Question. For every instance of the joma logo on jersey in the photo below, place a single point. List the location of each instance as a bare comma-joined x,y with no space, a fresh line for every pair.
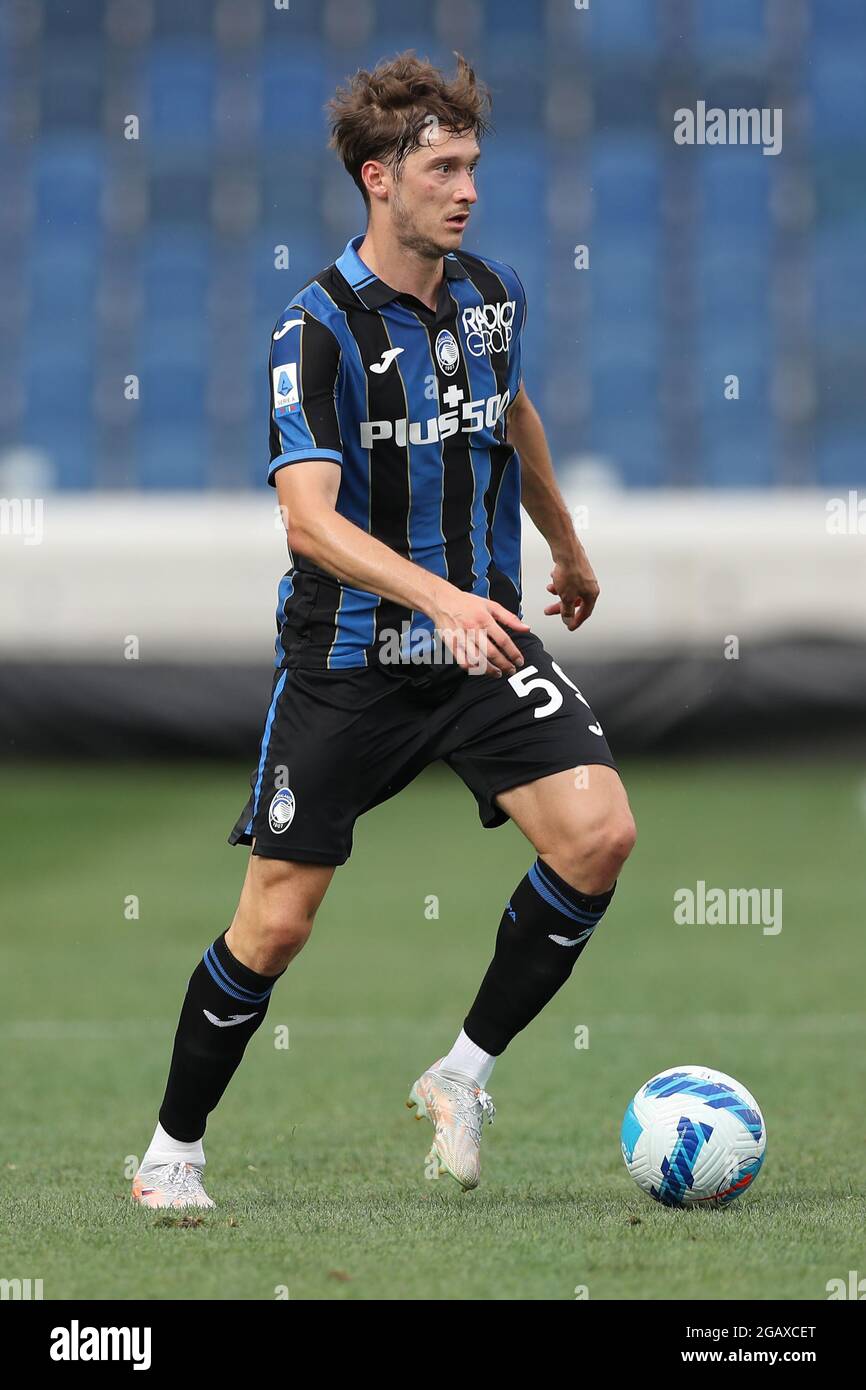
472,415
488,327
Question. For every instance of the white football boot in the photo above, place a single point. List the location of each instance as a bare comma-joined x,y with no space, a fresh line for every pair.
456,1106
175,1184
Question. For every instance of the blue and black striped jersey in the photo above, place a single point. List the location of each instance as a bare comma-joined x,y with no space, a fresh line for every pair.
411,404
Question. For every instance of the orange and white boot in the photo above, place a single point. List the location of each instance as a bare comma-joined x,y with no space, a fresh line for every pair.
175,1184
456,1106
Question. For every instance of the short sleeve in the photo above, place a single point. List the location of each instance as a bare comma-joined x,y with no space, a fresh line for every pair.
515,360
304,363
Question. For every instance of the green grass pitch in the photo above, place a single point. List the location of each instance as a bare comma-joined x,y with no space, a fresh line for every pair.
316,1165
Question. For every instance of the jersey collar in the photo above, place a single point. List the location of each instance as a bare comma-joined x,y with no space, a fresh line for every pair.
370,290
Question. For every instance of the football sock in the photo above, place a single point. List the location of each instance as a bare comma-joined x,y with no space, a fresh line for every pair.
543,930
225,1003
163,1149
468,1060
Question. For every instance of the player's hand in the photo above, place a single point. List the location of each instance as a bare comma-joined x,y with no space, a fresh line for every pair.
473,630
576,587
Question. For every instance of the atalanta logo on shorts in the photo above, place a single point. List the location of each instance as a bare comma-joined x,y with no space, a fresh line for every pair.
282,811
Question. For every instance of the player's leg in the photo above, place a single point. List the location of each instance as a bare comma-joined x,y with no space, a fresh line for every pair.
275,914
334,743
529,748
581,827
578,821
226,1001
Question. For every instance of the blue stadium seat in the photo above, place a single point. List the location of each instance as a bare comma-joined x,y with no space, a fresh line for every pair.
734,189
837,21
191,19
176,341
57,387
63,275
632,445
283,28
624,275
728,277
176,267
627,26
294,88
292,192
729,26
58,412
512,20
629,387
625,176
66,23
68,176
180,84
839,95
747,357
614,335
70,86
516,70
174,395
409,16
512,188
841,461
739,453
173,458
623,338
839,279
73,455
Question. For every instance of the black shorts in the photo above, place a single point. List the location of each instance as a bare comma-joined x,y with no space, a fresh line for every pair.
336,743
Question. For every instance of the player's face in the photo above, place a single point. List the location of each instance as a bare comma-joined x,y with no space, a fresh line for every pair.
431,202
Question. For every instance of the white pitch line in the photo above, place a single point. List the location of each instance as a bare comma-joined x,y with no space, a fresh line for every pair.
810,1024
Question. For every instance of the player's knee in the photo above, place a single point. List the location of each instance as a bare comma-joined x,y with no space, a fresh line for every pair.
268,937
274,918
622,836
592,861
282,930
616,841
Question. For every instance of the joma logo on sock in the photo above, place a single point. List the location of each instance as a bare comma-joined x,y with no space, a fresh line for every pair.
715,907
77,1343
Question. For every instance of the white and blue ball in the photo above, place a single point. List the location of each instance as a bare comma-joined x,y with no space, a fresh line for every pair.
692,1135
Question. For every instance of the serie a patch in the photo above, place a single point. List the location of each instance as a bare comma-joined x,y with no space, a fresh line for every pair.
286,397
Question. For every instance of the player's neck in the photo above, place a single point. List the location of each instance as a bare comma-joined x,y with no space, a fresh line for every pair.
404,270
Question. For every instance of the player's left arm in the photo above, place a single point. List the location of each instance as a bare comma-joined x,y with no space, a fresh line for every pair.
572,579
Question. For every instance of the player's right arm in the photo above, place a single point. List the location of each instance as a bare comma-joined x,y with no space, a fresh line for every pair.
471,626
306,461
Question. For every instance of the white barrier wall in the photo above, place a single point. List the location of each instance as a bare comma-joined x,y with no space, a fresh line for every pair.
194,577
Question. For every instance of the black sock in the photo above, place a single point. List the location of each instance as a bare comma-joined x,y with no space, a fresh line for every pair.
543,931
225,1003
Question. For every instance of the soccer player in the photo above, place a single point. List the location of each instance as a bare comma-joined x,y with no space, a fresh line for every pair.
402,441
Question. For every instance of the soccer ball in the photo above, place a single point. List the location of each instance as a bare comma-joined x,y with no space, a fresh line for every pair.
693,1135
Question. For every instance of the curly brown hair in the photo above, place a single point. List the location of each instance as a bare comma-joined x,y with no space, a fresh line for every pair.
381,114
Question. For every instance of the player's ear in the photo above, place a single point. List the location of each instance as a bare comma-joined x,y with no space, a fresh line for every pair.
376,182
